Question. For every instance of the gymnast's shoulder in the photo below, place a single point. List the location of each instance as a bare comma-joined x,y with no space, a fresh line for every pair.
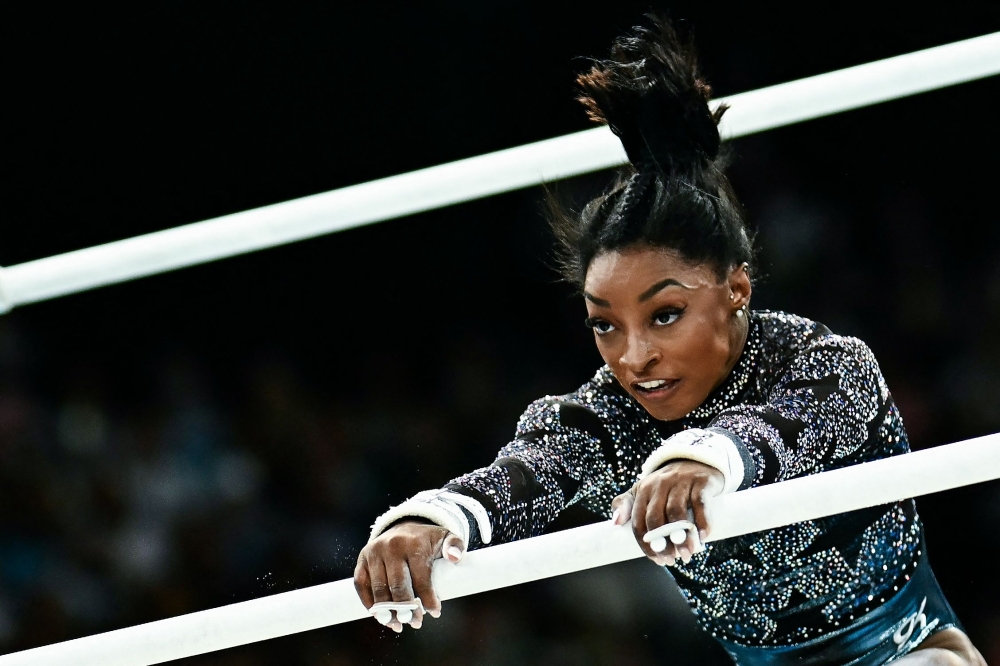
785,337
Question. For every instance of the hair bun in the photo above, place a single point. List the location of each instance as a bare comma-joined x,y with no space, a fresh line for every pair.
677,197
650,94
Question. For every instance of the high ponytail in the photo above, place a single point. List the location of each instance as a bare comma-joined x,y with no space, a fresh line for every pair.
674,193
650,94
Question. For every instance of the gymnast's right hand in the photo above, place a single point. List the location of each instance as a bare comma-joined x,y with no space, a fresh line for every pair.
396,566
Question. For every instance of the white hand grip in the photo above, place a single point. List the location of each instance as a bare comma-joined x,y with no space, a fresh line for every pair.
404,610
676,531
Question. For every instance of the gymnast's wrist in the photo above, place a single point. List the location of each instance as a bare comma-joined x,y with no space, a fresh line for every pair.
453,511
711,448
684,462
409,520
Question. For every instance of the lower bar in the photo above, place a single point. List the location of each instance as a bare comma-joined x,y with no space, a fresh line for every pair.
767,507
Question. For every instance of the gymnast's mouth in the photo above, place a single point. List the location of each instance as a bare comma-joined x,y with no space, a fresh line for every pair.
655,387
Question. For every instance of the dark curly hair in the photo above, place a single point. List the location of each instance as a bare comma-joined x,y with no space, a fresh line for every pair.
674,193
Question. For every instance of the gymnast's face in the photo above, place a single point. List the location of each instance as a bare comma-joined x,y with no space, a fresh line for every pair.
667,328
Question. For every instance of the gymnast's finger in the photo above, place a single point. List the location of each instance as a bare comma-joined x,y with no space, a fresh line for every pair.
655,516
451,548
362,582
379,582
639,519
423,587
698,508
692,542
676,509
640,512
400,586
394,587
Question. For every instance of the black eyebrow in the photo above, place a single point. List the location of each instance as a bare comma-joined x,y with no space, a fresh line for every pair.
644,296
649,293
597,301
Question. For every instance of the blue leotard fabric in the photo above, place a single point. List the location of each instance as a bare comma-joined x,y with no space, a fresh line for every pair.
889,632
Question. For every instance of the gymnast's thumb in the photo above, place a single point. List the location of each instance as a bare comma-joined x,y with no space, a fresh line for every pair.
622,508
453,548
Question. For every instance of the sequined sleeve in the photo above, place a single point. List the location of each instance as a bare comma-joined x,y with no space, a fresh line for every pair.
819,411
565,450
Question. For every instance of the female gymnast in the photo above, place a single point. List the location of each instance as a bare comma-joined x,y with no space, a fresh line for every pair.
699,396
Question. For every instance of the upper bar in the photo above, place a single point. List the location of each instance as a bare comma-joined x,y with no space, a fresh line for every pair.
481,176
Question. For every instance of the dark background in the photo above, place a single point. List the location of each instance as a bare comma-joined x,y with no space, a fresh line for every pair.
228,431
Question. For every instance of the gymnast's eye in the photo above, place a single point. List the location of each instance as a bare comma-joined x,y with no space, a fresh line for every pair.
667,317
600,326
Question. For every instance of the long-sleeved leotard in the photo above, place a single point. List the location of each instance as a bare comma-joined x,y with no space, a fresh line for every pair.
800,400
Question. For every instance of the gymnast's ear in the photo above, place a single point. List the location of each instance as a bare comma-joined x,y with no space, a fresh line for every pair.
740,286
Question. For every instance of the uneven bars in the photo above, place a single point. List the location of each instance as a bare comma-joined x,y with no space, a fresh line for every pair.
766,507
481,176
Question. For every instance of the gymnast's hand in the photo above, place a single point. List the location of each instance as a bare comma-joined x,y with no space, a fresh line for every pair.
396,566
676,491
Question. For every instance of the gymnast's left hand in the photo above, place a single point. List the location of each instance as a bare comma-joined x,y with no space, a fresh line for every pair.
676,491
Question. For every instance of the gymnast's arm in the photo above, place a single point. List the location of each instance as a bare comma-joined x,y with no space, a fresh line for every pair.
557,458
822,410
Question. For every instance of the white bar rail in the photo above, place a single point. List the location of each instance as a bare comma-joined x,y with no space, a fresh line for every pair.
766,507
481,176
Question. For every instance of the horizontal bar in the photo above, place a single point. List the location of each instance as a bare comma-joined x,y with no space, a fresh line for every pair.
766,507
477,177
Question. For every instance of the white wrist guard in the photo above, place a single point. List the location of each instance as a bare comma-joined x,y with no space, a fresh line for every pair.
704,446
441,507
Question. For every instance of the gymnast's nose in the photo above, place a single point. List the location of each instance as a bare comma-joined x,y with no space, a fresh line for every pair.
639,355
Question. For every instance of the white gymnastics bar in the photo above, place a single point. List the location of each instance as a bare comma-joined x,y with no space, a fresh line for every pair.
767,507
481,176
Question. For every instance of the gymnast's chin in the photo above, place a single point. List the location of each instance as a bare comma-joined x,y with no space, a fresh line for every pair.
699,395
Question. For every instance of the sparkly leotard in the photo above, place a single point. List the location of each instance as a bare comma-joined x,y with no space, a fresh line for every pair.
800,400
